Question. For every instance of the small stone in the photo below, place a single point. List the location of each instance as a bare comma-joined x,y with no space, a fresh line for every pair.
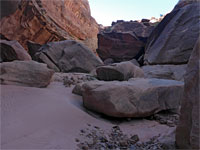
77,140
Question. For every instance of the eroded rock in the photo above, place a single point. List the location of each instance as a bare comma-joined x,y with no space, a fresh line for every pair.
68,56
25,73
172,41
119,71
135,98
12,50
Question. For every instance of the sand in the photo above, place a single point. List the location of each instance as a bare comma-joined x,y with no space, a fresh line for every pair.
52,117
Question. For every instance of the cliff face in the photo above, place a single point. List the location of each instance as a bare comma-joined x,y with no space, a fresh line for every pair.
43,21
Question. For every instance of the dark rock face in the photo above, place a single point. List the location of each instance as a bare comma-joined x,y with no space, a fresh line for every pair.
8,7
118,46
187,132
12,50
25,73
123,40
173,39
68,56
43,21
33,48
134,98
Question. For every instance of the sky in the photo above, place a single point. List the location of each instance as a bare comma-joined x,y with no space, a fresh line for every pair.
106,11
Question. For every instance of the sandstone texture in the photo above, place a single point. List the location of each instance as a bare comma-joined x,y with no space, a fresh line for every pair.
12,50
43,21
135,98
123,40
172,41
173,72
68,56
187,132
119,71
25,73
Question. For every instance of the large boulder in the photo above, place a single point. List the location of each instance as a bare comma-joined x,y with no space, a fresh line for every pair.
33,48
12,50
25,73
187,132
172,41
119,71
139,28
120,46
43,21
135,98
173,72
68,56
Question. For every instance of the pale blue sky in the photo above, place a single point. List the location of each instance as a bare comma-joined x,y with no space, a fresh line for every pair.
106,11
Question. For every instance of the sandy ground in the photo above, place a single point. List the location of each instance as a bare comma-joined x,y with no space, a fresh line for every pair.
52,117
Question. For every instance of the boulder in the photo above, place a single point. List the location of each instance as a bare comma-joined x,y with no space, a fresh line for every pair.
173,72
120,46
187,132
68,56
33,48
135,98
25,73
119,71
172,41
43,21
12,50
139,28
78,89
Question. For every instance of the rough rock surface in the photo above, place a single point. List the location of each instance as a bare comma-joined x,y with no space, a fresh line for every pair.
68,56
25,73
43,21
120,46
33,48
119,71
8,7
173,72
135,98
139,28
173,39
123,40
12,50
187,133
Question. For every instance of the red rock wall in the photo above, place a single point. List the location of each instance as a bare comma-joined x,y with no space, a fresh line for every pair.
43,21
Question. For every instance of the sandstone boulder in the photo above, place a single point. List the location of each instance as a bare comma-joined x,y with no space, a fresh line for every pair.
43,21
120,46
173,72
25,73
135,98
68,56
187,132
139,28
172,41
119,71
12,50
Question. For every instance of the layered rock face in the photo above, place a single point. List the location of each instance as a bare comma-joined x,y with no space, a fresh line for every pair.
68,56
123,41
135,98
25,73
173,39
187,132
43,21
